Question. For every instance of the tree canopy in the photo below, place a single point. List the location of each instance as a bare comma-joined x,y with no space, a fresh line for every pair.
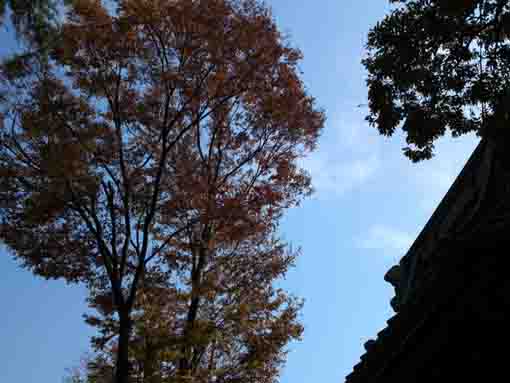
238,331
146,149
439,65
32,19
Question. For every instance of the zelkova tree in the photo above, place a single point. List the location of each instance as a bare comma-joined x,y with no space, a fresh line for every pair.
159,122
439,65
238,332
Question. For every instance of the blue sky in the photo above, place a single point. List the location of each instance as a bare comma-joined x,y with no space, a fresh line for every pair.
369,205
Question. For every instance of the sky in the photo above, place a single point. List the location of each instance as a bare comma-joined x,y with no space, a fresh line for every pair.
369,205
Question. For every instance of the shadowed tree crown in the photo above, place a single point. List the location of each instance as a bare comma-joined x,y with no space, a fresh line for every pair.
439,65
32,19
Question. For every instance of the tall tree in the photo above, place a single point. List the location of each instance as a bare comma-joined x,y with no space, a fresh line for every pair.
437,66
153,133
238,332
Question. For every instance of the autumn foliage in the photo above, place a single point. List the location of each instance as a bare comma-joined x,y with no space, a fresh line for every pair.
236,332
151,157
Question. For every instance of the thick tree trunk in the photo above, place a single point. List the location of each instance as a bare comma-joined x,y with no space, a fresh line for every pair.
122,367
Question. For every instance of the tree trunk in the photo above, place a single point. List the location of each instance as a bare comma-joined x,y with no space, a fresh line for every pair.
122,368
149,364
185,361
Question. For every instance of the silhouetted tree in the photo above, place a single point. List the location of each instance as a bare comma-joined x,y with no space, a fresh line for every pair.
439,65
32,19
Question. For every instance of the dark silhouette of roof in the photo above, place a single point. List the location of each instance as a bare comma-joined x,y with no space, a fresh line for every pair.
453,286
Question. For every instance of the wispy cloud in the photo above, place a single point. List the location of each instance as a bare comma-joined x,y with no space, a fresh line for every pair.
428,182
333,177
342,163
389,240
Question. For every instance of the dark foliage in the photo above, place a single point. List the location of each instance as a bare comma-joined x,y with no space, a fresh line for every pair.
439,65
32,19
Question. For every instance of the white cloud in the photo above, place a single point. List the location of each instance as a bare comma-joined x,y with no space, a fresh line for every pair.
332,177
346,159
387,239
429,182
